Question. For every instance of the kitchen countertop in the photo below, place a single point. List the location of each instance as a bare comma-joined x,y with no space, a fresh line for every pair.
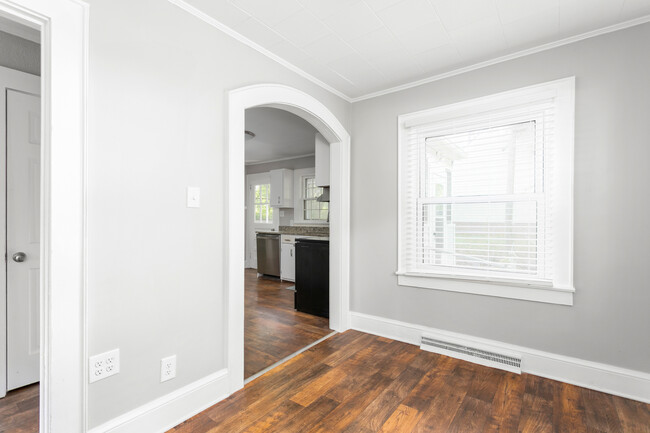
283,232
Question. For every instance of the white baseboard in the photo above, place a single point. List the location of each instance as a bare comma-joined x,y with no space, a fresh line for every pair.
600,377
172,409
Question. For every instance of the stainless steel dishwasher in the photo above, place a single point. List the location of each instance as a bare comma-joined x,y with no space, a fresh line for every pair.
268,254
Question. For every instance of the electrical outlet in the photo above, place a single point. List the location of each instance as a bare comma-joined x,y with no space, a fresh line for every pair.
104,365
193,196
168,368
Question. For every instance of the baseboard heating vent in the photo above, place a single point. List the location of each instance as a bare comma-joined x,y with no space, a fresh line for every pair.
510,362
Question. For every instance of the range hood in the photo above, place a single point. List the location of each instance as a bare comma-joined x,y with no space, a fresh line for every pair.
325,196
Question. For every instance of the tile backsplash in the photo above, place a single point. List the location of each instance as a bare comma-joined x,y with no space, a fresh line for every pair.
305,230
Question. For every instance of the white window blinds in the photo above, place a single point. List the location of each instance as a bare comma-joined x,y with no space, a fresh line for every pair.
478,184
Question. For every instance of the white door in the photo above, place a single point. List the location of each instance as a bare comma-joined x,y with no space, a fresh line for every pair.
260,215
23,238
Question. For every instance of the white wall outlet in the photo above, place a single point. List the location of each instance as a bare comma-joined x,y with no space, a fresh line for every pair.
168,368
104,365
193,196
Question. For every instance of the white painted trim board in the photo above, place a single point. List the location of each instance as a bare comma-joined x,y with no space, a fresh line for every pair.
63,28
610,379
171,409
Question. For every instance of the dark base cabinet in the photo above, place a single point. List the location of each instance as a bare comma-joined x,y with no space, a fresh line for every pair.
313,277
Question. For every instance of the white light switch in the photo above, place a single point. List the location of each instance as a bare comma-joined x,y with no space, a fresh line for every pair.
193,196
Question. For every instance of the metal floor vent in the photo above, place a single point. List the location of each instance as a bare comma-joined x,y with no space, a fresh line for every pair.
472,354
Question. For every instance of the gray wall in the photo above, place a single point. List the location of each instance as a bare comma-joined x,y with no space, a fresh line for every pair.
20,54
158,84
292,164
609,322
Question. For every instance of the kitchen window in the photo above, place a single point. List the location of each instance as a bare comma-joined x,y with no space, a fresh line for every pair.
313,210
486,195
262,204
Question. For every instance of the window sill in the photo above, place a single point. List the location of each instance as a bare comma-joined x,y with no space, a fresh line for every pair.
522,290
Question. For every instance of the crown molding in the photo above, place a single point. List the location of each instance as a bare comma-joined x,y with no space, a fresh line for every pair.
244,40
507,57
241,38
288,158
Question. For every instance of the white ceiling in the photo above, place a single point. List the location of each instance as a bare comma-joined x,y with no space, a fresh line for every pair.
363,46
278,135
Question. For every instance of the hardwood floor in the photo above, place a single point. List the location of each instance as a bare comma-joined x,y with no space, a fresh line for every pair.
19,410
355,382
273,330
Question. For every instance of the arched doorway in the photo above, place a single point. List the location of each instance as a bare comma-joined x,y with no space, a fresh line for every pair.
313,111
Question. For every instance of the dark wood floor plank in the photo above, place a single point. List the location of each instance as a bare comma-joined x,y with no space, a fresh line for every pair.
506,406
348,410
537,405
569,410
306,417
287,410
403,419
19,410
373,417
359,383
441,395
471,417
634,415
600,412
316,388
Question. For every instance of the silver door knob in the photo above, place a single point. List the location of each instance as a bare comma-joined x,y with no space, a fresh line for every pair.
19,257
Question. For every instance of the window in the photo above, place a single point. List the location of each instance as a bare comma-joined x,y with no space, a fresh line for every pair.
262,203
312,209
486,195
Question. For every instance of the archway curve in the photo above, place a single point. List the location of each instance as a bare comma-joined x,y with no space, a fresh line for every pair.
313,111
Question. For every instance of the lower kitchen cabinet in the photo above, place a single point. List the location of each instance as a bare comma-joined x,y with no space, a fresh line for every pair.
312,276
287,258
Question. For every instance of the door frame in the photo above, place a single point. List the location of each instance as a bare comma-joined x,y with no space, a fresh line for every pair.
26,83
313,111
64,69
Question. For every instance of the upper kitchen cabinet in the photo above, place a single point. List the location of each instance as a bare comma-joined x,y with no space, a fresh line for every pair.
281,188
322,161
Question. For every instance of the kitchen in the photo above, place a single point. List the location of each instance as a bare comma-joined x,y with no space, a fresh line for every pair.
287,238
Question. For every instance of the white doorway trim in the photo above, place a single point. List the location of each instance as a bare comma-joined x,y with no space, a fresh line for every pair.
310,109
64,43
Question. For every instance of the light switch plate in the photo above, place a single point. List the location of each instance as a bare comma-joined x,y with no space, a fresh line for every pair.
104,365
193,196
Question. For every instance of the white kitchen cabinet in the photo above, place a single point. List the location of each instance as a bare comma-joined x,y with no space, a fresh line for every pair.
322,158
287,259
281,188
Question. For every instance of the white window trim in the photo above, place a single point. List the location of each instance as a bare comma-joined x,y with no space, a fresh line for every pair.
299,176
561,290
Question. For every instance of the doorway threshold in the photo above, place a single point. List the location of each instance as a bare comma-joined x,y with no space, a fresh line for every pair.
293,355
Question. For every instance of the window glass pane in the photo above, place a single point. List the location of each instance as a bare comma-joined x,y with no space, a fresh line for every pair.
263,209
501,236
489,161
